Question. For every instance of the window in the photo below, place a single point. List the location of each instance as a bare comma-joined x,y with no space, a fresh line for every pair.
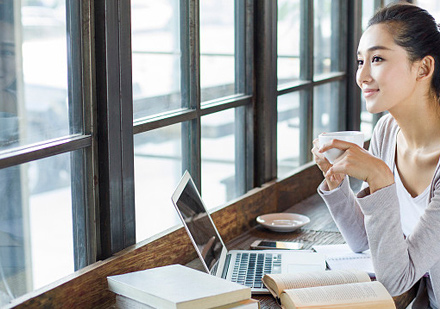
433,7
156,57
44,145
368,120
217,48
311,77
190,86
101,114
288,130
288,42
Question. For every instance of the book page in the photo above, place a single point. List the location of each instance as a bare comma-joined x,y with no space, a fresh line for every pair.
364,294
281,282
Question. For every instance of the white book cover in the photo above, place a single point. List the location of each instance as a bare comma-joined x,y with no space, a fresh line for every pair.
123,302
177,286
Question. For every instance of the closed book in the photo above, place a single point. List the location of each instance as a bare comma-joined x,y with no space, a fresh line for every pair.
123,302
177,286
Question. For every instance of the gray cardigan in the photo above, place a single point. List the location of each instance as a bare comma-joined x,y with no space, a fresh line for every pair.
373,221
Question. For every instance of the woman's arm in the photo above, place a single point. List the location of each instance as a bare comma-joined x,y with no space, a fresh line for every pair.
347,214
399,263
342,202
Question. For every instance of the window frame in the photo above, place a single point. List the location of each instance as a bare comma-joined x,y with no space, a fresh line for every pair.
103,207
80,81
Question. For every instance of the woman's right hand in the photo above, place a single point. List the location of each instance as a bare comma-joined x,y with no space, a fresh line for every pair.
324,165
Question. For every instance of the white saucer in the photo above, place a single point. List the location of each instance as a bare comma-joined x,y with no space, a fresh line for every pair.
283,222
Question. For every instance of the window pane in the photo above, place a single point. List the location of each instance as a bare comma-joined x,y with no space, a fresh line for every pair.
288,133
326,108
156,56
288,40
36,233
33,72
367,119
217,49
368,10
158,165
433,7
326,37
218,158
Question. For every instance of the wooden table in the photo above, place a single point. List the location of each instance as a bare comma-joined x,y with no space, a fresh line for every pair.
321,230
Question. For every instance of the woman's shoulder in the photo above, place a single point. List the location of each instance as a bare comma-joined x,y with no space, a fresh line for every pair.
383,137
386,123
385,128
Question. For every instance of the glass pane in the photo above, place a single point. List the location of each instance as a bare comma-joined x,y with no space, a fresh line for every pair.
433,7
326,37
156,56
326,108
288,139
367,119
158,165
368,10
218,158
33,72
288,39
217,49
36,233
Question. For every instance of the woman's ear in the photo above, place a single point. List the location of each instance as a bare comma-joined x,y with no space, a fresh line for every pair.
426,68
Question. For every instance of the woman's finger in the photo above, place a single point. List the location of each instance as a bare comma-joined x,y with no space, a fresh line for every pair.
336,143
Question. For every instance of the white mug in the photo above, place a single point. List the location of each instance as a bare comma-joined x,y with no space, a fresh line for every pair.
355,137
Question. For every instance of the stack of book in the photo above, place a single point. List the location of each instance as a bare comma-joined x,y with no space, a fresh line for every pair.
179,287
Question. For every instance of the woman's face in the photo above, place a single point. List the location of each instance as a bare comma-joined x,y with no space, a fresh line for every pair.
7,55
385,74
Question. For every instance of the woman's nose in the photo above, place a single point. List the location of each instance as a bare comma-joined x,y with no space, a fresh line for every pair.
363,75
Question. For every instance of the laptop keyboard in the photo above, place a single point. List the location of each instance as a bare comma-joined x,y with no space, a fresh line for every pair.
249,268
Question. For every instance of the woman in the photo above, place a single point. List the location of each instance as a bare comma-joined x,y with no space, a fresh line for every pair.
397,214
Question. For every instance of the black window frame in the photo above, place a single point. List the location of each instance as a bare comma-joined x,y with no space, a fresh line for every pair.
100,78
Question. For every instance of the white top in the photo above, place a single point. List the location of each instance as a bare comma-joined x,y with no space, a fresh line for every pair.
411,208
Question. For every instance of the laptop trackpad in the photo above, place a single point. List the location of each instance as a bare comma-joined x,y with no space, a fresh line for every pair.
297,268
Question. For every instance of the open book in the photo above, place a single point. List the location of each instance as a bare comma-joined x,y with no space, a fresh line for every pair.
328,289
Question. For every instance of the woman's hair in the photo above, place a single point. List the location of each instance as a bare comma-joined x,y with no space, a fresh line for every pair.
414,29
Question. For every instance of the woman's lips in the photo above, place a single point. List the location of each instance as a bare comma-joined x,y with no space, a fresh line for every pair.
369,92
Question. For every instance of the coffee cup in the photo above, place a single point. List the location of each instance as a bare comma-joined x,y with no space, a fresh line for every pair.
355,137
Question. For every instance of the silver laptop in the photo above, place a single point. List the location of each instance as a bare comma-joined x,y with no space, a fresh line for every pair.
246,267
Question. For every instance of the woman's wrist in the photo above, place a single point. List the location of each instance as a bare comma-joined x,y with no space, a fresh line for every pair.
381,179
334,181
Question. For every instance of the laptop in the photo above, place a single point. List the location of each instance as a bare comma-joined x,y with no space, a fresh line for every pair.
246,267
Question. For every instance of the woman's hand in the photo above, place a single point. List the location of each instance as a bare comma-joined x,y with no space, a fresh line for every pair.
333,181
358,163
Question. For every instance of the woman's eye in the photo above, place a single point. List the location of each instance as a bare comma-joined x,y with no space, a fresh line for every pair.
360,62
376,59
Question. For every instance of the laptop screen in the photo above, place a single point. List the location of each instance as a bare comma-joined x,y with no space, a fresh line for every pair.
197,221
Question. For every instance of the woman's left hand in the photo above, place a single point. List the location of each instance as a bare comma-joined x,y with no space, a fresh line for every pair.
360,164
